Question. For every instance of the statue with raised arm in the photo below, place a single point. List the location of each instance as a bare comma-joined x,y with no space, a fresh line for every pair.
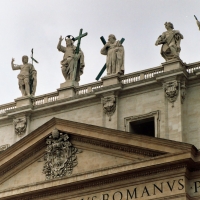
114,51
170,41
69,59
27,78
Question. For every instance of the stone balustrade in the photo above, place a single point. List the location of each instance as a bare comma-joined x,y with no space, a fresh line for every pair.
45,98
190,68
88,88
8,106
141,75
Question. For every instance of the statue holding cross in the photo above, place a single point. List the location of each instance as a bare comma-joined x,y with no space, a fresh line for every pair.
73,60
115,55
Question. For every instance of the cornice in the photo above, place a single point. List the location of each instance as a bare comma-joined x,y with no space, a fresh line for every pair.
114,146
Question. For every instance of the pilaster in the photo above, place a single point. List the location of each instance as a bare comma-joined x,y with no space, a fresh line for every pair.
174,91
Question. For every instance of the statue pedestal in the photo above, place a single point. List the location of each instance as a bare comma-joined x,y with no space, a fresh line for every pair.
23,101
67,89
173,65
69,83
111,79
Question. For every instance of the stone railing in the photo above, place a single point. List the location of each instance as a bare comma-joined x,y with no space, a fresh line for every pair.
190,68
8,106
89,88
50,97
141,75
83,89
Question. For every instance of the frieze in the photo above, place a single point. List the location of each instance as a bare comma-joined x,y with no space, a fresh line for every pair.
104,181
60,157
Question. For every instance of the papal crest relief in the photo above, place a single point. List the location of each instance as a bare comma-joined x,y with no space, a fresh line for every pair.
60,157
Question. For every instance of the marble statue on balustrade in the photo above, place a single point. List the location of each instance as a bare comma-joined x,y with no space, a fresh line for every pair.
69,58
27,78
170,41
114,51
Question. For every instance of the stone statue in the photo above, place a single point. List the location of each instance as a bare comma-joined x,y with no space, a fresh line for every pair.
69,59
115,56
197,21
27,78
170,41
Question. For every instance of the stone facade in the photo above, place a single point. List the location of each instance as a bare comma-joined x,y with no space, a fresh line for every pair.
171,89
112,165
78,144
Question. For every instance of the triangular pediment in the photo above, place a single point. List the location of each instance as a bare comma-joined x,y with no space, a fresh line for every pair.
103,153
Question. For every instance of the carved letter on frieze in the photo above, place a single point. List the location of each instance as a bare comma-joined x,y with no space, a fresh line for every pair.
171,91
60,157
20,125
109,105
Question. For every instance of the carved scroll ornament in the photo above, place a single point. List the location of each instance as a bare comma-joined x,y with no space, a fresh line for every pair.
171,91
109,105
20,125
60,157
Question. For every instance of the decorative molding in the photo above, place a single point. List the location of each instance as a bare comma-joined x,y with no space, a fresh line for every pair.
4,147
20,125
171,91
126,148
154,114
60,157
183,91
109,105
21,159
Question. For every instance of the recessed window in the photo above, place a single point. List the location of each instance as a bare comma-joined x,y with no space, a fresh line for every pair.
144,124
143,127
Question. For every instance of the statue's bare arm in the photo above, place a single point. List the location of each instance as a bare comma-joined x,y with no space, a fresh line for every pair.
14,67
59,46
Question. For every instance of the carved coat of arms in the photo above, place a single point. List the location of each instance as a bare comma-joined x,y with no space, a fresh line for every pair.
109,105
20,125
171,91
60,157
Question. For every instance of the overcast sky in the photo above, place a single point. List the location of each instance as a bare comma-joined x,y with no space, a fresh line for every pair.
38,24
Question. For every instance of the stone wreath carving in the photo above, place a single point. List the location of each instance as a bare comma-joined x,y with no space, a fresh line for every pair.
171,91
60,157
109,105
20,125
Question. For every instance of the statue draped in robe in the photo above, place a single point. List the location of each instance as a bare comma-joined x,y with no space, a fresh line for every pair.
170,41
67,64
115,56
